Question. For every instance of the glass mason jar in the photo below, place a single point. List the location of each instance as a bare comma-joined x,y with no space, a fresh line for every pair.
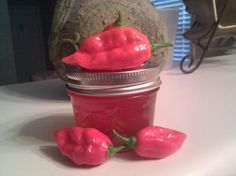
124,101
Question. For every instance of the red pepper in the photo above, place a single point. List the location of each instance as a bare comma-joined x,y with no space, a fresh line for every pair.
154,141
117,48
85,146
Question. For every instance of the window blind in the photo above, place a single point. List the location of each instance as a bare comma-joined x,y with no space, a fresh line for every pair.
182,46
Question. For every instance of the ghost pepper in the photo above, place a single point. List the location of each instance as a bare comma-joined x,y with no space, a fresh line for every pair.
154,141
118,48
85,146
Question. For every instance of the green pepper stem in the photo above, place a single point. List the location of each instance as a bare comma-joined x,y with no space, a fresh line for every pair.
112,150
161,45
120,20
130,141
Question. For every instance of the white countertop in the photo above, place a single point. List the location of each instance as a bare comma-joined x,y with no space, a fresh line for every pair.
202,104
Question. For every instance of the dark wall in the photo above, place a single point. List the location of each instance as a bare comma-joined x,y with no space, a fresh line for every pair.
47,8
7,62
30,22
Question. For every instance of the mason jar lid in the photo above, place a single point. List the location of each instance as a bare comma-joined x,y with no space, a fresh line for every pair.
90,83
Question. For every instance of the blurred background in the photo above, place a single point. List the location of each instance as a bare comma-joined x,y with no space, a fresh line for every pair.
24,31
25,27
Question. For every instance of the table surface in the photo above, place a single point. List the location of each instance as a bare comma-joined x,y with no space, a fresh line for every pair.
202,104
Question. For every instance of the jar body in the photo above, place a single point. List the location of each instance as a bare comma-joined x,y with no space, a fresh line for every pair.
125,113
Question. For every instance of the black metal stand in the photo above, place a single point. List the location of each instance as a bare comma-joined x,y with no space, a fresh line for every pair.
192,66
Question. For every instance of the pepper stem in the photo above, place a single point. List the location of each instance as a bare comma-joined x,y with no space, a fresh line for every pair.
112,150
161,45
130,141
120,19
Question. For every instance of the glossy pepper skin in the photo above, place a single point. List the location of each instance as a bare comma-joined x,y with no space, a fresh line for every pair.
154,141
84,146
116,48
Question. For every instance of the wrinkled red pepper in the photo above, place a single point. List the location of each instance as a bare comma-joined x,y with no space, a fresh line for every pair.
116,48
154,141
85,146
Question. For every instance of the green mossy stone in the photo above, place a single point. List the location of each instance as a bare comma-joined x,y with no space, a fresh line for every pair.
75,20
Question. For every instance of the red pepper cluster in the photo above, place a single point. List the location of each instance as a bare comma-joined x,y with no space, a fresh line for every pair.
88,146
116,48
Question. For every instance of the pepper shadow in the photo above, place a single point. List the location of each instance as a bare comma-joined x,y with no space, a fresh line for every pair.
49,90
53,153
44,127
132,156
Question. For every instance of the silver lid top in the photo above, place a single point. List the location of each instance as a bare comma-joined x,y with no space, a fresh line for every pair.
114,83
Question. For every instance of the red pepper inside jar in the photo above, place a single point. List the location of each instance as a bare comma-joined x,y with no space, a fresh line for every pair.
120,100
